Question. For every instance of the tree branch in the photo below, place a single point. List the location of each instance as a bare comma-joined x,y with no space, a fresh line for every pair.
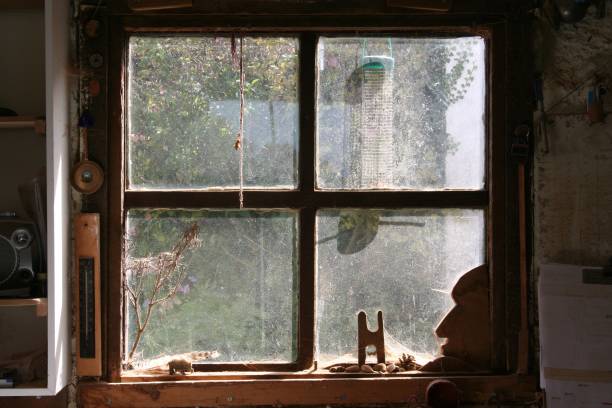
167,268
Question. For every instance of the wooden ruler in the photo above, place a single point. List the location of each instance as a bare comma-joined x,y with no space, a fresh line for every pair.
87,262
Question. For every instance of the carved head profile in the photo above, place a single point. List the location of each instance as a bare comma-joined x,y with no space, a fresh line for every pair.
467,326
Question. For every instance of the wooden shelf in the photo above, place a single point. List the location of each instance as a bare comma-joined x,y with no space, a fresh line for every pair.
22,5
39,303
23,122
56,33
374,390
32,384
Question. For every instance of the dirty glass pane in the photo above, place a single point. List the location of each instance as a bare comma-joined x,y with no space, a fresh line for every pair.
184,112
236,288
403,262
401,113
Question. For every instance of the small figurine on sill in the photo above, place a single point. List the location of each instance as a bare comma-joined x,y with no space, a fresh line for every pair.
180,365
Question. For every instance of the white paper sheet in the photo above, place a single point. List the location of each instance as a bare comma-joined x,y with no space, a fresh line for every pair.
577,394
575,338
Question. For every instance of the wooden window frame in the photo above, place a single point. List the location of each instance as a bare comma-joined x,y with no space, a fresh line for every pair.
496,198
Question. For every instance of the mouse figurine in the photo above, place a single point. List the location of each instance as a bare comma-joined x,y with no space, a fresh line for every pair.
180,365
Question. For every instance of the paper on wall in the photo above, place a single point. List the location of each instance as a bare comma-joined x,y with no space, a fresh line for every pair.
575,338
577,394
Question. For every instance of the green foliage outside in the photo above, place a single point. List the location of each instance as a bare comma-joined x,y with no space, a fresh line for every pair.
238,284
241,292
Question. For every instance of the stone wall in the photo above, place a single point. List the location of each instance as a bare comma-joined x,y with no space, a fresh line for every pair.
573,176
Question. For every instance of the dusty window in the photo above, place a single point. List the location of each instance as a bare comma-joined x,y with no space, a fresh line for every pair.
341,138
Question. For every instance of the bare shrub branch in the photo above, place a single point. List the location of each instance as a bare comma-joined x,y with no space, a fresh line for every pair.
169,275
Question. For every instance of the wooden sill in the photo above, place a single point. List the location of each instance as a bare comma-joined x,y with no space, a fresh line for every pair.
292,391
140,377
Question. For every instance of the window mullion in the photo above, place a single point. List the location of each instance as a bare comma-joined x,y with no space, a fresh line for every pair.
307,91
299,199
307,288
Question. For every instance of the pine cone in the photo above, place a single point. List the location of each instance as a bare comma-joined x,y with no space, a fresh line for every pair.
408,363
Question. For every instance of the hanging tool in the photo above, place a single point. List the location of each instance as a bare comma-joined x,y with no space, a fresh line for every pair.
88,304
595,108
520,152
239,144
540,119
93,86
572,11
87,176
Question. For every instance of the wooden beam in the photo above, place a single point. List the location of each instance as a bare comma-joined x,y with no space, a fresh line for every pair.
430,25
297,199
360,391
22,5
498,250
153,5
304,7
523,344
114,306
432,5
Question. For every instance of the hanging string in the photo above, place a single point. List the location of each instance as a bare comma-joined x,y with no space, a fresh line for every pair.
233,51
238,145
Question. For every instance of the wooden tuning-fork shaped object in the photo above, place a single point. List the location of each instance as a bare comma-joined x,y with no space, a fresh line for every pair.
366,338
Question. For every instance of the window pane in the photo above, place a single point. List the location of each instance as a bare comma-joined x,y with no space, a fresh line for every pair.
403,262
184,113
238,291
401,113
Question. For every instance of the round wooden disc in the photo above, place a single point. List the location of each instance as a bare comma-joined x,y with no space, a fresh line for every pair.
442,394
87,177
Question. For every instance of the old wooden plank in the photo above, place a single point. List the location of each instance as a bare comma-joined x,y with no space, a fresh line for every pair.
296,199
497,222
114,278
317,7
344,391
423,24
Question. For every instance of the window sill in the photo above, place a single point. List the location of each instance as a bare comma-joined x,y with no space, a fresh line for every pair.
291,390
272,375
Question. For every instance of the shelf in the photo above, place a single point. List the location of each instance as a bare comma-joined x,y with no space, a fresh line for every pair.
56,39
18,5
40,303
23,122
32,384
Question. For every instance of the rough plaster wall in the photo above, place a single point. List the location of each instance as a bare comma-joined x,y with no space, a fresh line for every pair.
573,180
